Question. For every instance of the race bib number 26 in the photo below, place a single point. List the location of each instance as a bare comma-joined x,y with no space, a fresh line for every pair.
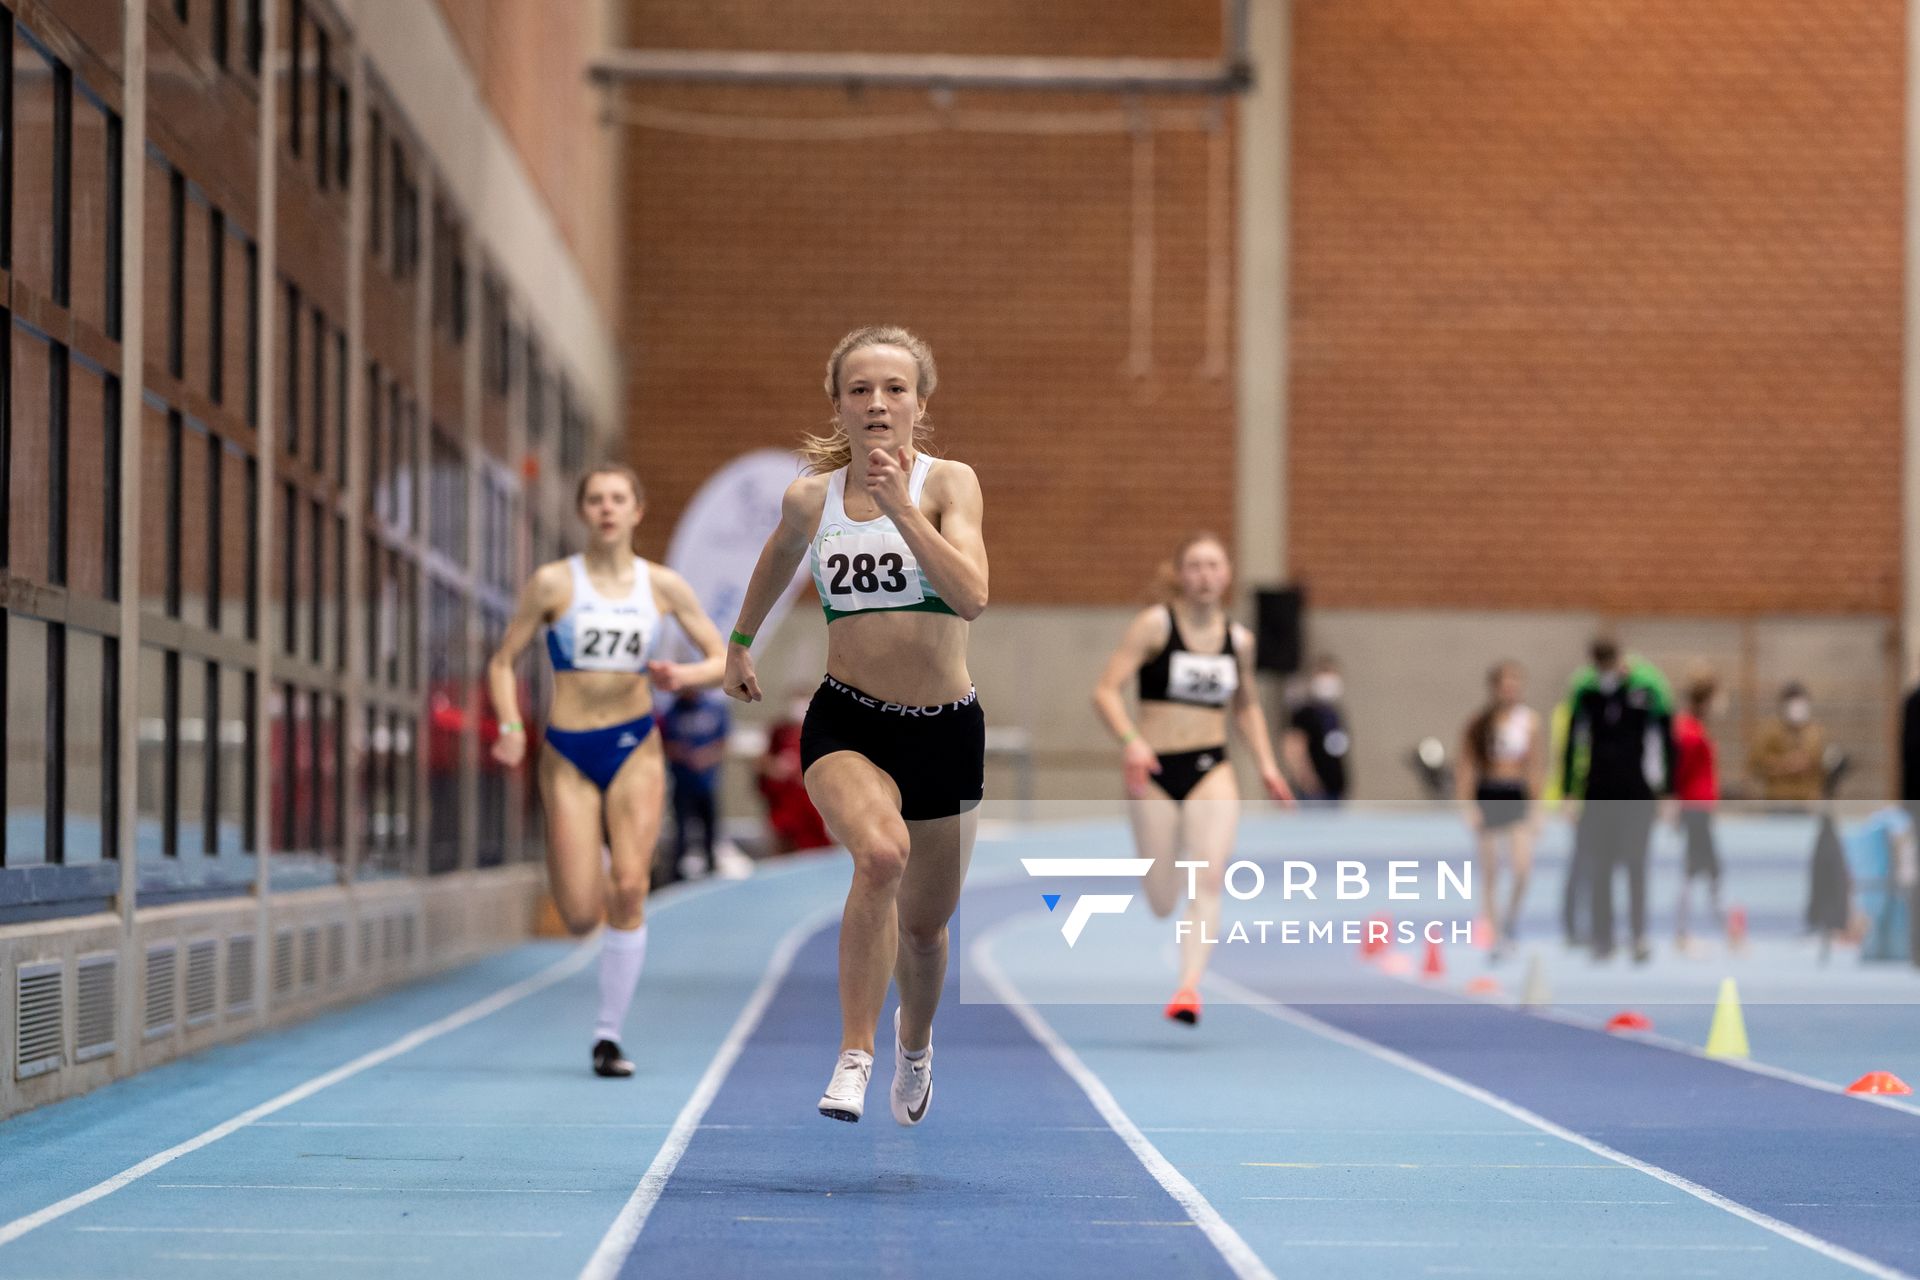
1203,677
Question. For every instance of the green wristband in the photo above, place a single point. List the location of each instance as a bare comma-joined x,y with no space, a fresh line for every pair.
745,642
1129,739
515,727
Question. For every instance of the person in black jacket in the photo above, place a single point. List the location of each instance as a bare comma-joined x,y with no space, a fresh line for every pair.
1619,757
1910,796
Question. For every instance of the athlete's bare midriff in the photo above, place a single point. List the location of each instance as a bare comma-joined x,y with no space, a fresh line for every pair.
915,659
596,699
1170,727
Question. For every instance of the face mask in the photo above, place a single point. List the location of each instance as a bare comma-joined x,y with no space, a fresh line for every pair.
1326,688
1609,681
1797,711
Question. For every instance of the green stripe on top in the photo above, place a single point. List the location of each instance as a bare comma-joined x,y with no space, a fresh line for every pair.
932,604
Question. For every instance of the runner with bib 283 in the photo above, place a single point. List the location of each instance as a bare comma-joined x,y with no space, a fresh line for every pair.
894,743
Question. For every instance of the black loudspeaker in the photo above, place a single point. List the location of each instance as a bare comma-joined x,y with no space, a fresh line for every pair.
1281,615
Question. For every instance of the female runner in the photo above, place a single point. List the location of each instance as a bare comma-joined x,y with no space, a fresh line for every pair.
893,745
1192,662
603,770
1502,760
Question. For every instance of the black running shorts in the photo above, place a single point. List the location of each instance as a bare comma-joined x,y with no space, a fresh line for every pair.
936,755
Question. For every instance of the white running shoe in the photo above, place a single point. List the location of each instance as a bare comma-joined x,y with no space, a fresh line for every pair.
912,1080
846,1095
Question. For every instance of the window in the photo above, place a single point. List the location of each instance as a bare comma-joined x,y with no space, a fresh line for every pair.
289,366
296,71
42,140
92,416
449,506
96,213
30,455
197,280
376,191
27,775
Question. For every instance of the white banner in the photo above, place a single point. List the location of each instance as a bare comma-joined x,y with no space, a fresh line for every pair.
720,536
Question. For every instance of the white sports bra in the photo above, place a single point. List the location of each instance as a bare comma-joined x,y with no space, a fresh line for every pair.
597,633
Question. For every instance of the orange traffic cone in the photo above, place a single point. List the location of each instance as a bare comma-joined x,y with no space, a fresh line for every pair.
1879,1082
1436,965
1736,928
1629,1020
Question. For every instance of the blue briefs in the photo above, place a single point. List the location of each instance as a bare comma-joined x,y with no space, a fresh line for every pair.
599,753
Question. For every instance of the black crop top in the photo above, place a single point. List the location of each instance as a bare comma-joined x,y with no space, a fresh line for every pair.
1177,674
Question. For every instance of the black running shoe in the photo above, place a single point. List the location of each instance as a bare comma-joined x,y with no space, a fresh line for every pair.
608,1062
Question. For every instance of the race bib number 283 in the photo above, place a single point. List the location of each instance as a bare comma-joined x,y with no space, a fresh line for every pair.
870,571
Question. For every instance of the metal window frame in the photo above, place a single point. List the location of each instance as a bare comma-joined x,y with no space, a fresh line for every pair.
176,269
217,309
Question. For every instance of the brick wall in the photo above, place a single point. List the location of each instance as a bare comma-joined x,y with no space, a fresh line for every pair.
529,57
1597,304
747,260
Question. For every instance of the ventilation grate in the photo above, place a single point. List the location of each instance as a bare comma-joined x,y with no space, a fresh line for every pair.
240,973
203,961
162,961
336,952
368,960
310,957
38,1013
283,962
97,999
409,927
390,946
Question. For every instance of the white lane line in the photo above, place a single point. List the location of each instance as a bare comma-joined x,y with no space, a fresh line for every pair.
1307,1022
574,961
614,1246
1570,1019
1456,1200
322,1231
1239,1255
1401,1164
335,1186
1530,1135
1607,1246
384,1259
449,1124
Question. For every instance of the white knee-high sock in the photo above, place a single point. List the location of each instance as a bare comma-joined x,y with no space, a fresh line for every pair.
622,953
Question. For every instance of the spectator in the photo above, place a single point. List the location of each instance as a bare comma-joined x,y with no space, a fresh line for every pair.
1787,759
791,818
1880,853
1619,756
1317,744
694,730
1829,886
1696,786
1910,796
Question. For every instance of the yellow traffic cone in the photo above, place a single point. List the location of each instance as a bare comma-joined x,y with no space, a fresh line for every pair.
1535,992
1728,1036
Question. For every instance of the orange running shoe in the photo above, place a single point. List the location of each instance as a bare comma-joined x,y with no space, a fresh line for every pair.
1185,1006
